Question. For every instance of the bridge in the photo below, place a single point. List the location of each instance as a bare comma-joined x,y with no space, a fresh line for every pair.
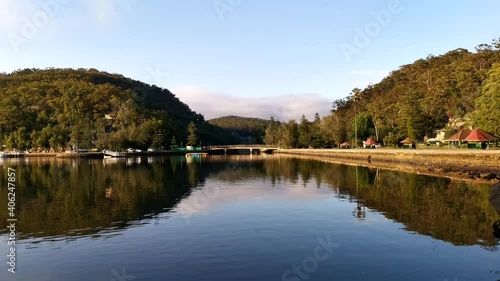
233,149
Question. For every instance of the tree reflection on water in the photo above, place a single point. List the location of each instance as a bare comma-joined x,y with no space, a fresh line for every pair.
71,198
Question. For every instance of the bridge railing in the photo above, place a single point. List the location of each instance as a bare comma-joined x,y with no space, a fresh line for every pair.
242,146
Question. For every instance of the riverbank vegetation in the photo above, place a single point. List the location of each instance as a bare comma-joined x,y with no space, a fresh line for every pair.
451,91
53,109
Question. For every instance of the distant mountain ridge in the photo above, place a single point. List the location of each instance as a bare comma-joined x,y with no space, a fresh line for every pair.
246,129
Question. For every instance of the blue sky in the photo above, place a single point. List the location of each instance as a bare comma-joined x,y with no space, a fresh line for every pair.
242,57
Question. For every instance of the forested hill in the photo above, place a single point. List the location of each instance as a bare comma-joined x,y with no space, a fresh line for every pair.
247,129
57,108
447,92
457,89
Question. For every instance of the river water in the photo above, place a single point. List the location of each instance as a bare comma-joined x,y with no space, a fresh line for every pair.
243,218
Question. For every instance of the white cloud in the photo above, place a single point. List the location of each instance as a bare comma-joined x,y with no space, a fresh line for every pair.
214,195
284,107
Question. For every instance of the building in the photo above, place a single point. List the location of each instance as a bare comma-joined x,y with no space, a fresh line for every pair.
110,116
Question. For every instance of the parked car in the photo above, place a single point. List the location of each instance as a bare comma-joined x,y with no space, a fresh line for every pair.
138,150
152,149
130,150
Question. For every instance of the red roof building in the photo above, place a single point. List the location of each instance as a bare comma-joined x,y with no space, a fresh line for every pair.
479,135
407,141
345,144
459,137
370,142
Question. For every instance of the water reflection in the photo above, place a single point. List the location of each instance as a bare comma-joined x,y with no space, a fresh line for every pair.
64,199
495,202
360,210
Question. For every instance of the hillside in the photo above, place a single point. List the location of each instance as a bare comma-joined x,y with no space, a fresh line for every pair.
448,92
58,108
246,129
429,94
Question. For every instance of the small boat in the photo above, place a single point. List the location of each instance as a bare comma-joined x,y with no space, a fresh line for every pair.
4,155
113,154
196,154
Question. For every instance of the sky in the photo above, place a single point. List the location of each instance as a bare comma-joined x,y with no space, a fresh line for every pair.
254,58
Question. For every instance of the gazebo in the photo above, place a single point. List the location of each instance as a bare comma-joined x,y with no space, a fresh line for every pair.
369,143
345,145
407,143
478,138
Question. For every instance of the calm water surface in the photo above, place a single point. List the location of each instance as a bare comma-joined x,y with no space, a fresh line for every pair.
244,218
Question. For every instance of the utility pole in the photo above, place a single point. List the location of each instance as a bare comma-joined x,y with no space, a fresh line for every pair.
356,94
355,125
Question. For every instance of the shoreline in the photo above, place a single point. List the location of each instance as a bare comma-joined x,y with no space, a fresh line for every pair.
98,155
481,165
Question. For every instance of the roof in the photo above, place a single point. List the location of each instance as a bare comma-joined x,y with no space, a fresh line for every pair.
433,140
369,142
407,141
460,136
472,135
345,144
479,135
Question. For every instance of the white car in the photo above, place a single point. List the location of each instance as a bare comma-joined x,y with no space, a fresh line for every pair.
130,150
138,150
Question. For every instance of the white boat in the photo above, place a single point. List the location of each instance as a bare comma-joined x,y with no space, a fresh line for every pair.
113,154
196,154
3,154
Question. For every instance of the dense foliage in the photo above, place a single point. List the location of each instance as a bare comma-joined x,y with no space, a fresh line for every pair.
455,90
58,108
246,129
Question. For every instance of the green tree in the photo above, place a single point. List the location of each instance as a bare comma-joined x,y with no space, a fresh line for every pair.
271,132
317,138
192,130
288,134
18,139
391,139
362,127
487,114
173,143
411,119
304,132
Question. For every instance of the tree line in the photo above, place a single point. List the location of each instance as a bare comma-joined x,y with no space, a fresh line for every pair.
451,91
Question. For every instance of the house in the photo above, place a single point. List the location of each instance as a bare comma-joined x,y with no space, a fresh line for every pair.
110,116
440,135
345,145
369,143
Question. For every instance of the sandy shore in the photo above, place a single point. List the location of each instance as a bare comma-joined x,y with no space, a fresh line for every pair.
461,163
